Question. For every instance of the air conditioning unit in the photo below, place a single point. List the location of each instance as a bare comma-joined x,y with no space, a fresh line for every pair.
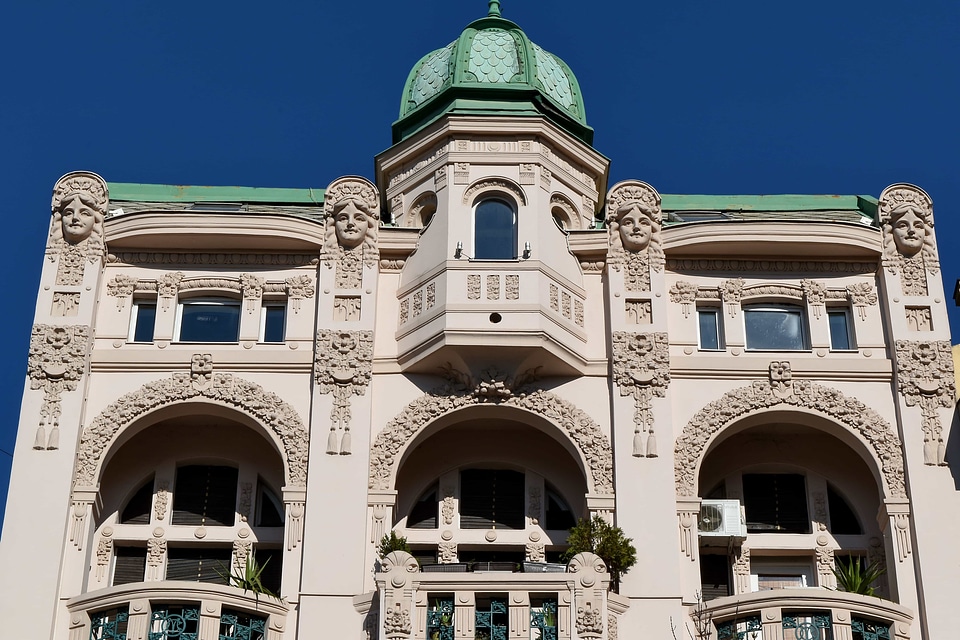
721,520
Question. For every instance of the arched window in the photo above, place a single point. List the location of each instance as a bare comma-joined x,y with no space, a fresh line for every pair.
494,230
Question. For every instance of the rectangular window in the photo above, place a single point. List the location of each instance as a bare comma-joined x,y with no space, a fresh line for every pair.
491,499
801,625
110,624
238,625
781,572
841,330
142,321
708,319
440,618
173,622
775,503
543,618
273,318
490,618
131,562
209,320
775,327
199,564
205,495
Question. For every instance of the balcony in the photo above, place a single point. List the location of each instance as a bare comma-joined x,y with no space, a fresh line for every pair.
807,614
172,609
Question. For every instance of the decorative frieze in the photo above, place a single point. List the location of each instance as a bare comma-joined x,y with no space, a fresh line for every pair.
342,368
421,163
55,363
641,368
461,173
213,259
512,286
925,378
473,287
493,287
267,408
440,178
767,267
785,390
495,184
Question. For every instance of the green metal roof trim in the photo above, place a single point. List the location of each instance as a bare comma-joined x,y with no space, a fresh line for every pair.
136,192
790,202
492,61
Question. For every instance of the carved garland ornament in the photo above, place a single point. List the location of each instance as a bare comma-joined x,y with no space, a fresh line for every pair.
641,368
593,445
783,390
925,378
343,367
265,406
55,364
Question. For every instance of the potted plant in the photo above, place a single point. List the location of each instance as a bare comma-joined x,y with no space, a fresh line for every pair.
598,536
855,576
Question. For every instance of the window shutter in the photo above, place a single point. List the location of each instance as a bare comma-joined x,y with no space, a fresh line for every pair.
775,503
130,564
206,564
491,497
205,495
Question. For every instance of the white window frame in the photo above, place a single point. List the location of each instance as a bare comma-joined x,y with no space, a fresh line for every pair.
851,335
274,304
135,315
221,300
716,311
785,307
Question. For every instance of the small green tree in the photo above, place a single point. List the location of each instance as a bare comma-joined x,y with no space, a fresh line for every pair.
392,542
597,536
855,576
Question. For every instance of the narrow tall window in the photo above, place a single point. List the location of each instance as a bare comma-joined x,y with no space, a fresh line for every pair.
841,331
708,319
143,321
495,231
273,318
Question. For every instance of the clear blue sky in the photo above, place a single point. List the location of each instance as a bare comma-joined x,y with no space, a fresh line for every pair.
691,96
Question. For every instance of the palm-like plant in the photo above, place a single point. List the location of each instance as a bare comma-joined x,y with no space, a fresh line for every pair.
249,578
855,576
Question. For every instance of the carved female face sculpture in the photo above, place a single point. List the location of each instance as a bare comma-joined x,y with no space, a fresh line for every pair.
636,229
78,215
909,231
351,224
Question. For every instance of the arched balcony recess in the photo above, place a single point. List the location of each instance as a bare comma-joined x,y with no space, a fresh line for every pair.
188,496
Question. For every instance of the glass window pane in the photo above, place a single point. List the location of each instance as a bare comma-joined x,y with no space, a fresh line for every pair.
709,328
495,231
273,321
839,331
210,322
775,328
146,319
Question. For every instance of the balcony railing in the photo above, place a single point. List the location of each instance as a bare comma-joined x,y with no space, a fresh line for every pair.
807,614
176,611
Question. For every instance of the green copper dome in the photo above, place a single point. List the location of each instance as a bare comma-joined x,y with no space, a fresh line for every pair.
492,68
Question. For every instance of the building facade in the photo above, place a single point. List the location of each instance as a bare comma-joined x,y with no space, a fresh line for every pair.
473,350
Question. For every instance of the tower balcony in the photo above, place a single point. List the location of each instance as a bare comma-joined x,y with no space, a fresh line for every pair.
517,314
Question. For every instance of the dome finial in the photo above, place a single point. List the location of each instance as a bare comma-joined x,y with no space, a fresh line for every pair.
494,9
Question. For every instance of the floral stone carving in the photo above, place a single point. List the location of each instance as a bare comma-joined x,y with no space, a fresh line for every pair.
266,407
76,233
862,295
634,222
343,366
684,293
925,378
641,368
590,441
909,247
780,391
298,288
352,223
56,361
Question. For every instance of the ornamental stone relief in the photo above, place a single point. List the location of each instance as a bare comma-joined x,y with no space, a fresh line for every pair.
55,364
641,368
79,206
731,293
766,267
494,184
266,407
352,223
740,402
861,295
815,293
685,294
121,287
168,285
342,368
213,259
634,222
909,246
65,304
298,288
590,441
925,379
251,287
919,318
